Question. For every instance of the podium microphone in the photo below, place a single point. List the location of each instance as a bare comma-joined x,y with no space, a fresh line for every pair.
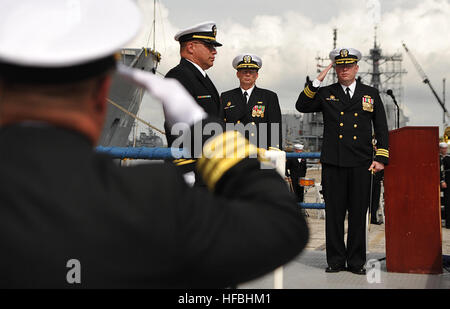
391,94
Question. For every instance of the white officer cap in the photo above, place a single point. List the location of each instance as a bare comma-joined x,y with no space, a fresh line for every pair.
298,146
205,32
345,55
443,145
247,61
74,38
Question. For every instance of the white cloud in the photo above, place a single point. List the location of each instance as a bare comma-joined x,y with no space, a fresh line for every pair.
289,41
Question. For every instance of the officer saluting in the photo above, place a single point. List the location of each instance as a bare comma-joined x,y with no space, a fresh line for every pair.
350,110
251,105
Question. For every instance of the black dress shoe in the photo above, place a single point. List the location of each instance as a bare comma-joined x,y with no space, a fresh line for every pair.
331,269
358,271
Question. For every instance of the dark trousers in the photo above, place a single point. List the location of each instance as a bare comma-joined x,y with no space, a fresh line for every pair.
345,189
299,190
446,204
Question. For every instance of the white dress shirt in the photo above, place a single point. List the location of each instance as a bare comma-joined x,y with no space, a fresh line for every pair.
316,83
249,92
352,88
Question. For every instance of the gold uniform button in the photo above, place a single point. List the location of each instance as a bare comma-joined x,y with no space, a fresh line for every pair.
354,137
356,114
341,124
355,125
340,136
342,113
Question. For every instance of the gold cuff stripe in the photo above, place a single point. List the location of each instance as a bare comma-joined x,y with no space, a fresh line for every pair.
215,148
383,152
222,153
224,165
309,93
183,162
204,37
237,151
222,147
383,155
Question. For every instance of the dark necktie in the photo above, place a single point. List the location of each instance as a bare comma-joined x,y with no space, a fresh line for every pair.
348,94
245,96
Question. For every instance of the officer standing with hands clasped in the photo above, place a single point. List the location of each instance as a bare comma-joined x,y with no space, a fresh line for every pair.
252,106
71,218
350,111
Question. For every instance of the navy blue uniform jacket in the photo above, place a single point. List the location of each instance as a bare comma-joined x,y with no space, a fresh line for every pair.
347,134
262,107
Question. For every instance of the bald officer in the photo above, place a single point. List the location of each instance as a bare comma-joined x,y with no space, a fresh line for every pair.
256,108
71,218
351,111
198,51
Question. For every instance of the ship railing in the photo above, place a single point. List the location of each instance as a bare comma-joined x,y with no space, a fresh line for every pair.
164,153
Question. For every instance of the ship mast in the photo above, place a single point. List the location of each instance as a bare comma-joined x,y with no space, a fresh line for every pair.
375,55
154,24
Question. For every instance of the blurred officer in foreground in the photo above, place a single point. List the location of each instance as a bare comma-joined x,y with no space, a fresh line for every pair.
198,51
350,110
70,217
250,105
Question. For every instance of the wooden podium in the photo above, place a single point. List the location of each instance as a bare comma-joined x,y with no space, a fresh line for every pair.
412,201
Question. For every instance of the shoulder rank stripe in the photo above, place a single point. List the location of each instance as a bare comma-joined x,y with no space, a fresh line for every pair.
309,93
383,152
222,153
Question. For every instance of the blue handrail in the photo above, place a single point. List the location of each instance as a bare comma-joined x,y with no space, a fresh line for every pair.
161,153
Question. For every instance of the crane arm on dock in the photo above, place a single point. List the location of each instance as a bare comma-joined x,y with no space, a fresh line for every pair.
425,78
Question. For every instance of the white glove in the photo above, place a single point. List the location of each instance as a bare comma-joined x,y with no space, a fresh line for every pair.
178,104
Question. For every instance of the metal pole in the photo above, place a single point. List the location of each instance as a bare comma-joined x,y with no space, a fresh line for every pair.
443,99
154,25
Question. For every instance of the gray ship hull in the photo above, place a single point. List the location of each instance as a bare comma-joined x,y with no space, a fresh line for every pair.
118,124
